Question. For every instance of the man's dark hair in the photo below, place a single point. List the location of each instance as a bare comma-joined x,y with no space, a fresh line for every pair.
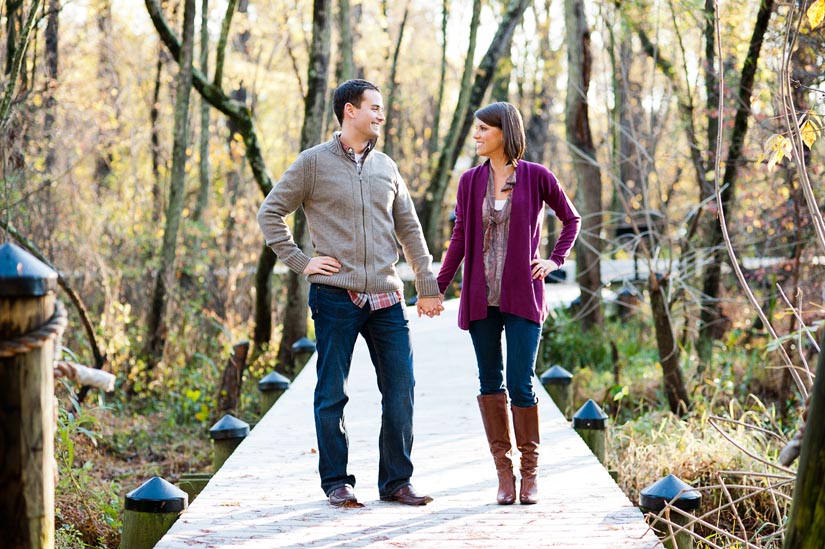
351,91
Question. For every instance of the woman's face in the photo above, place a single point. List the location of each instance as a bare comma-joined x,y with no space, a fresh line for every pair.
489,139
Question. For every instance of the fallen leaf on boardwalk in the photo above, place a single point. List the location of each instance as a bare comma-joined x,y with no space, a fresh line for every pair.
231,504
351,504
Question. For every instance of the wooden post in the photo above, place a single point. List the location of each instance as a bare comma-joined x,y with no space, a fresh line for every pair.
229,393
150,511
272,386
807,518
226,435
301,352
673,490
590,422
557,382
30,321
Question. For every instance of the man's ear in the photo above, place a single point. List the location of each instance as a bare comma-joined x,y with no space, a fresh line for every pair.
349,109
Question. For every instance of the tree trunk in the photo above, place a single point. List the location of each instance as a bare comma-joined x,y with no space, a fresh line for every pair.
156,330
807,518
390,131
107,79
154,115
202,201
463,120
241,116
295,315
711,278
674,385
588,174
46,207
539,117
500,88
432,144
346,67
52,57
262,332
13,19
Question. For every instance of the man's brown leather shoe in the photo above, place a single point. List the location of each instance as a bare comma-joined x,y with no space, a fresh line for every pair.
342,495
407,496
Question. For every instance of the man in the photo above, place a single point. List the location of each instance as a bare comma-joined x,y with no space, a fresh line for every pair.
356,204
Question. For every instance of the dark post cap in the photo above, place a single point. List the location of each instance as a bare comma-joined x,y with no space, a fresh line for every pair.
655,496
23,275
273,381
590,416
556,376
229,427
157,496
303,345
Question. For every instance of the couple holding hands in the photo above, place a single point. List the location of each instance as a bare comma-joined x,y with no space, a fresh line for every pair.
357,205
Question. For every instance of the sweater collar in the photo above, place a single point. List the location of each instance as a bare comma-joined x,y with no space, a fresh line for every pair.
348,151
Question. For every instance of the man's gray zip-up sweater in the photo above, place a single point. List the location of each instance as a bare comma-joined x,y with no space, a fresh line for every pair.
353,217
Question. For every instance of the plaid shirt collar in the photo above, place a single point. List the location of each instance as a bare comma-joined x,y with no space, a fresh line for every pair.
350,152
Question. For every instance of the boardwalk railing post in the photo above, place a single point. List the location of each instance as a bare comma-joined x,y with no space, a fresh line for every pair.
226,435
272,386
30,321
301,351
590,422
557,382
150,511
671,489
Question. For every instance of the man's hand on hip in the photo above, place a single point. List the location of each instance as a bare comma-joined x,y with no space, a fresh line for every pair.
322,265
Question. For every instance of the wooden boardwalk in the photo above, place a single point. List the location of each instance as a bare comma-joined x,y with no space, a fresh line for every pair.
268,493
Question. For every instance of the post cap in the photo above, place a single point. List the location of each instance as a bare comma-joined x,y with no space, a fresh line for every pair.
273,381
23,275
590,416
229,427
556,375
157,496
658,494
303,345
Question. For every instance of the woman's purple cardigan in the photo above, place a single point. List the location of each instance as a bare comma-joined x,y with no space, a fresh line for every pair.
521,295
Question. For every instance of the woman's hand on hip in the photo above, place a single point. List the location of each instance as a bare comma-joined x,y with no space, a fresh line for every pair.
543,267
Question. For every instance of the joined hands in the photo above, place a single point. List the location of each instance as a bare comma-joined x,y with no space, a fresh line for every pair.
430,306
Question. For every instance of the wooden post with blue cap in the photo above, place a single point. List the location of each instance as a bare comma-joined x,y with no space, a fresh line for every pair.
672,492
557,382
271,386
226,435
31,321
150,511
590,422
301,352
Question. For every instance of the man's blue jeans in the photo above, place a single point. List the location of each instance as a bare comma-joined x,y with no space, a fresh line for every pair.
522,338
337,324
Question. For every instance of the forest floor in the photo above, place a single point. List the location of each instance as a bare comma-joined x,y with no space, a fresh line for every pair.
104,453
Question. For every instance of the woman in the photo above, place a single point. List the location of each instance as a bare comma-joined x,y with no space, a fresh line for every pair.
499,210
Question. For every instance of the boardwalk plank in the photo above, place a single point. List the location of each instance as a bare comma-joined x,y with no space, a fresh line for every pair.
268,493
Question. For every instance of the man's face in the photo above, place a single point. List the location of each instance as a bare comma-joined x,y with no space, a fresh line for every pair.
367,119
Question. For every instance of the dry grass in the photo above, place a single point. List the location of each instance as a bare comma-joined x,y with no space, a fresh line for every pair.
731,459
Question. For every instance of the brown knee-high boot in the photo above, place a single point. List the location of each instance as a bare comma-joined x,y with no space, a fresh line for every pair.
497,426
526,426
